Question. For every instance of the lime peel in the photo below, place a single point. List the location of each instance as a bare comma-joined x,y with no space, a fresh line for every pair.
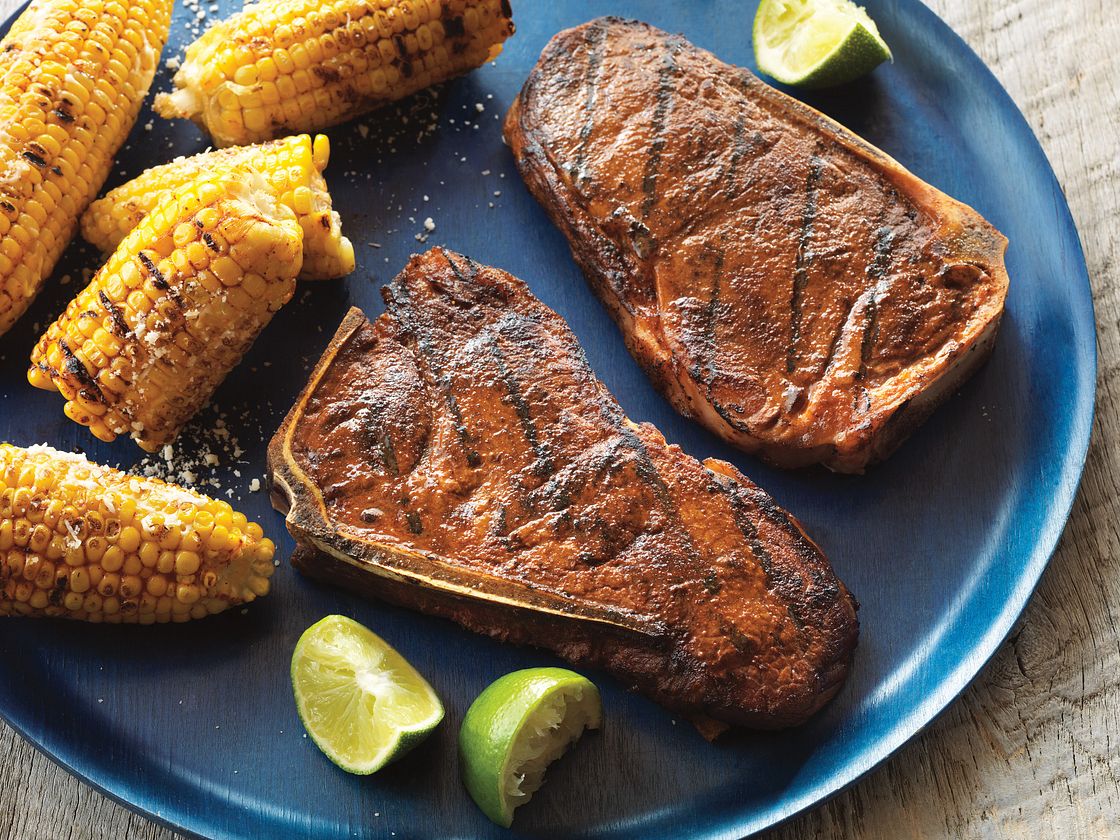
516,728
816,43
361,702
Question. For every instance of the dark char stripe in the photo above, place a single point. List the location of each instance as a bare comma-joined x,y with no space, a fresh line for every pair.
116,317
426,349
786,588
544,465
157,278
834,345
741,147
595,37
465,277
710,346
159,281
73,366
647,471
738,149
665,89
804,259
388,454
880,265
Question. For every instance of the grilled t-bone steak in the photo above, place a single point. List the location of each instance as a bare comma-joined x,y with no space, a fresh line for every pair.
459,456
782,281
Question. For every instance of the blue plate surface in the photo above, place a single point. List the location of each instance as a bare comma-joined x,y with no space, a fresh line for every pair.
195,725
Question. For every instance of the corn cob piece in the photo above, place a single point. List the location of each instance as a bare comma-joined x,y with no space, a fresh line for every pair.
302,65
177,305
293,166
84,541
72,76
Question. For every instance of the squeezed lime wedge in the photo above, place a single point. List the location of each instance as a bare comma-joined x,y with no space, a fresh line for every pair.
519,725
360,700
816,43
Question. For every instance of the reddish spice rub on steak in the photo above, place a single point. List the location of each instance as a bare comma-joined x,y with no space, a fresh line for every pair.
782,281
460,457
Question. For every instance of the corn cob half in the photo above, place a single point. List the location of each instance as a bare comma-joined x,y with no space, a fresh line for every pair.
293,166
303,65
79,540
72,76
177,305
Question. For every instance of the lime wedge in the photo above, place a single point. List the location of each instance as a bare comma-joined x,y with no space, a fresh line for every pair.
359,700
519,725
816,43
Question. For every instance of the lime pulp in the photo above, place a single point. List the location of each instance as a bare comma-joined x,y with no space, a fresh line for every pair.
816,43
519,725
361,702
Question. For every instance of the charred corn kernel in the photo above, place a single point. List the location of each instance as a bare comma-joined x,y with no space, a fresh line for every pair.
342,57
292,166
179,334
89,500
72,76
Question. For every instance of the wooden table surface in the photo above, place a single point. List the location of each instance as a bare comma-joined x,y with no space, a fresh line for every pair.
1033,747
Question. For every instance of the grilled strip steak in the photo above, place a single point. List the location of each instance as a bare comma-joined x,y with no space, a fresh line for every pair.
459,457
783,282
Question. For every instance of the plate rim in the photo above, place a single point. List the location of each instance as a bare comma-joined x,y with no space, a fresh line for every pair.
911,725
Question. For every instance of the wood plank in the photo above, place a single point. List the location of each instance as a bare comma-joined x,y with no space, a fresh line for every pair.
1028,749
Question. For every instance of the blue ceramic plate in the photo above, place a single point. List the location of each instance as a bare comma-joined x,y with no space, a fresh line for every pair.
195,725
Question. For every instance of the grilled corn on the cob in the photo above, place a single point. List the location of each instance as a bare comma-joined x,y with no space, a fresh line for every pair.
293,166
303,65
186,293
72,76
84,541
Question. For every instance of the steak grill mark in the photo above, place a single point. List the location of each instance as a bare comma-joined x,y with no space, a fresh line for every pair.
426,349
804,259
665,90
594,60
884,239
544,465
710,346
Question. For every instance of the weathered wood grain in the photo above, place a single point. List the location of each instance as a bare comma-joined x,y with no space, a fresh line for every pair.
1031,748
